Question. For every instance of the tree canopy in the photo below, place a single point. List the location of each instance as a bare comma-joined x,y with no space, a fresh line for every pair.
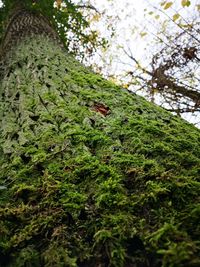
66,18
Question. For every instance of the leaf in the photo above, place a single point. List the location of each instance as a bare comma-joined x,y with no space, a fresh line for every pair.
185,3
188,26
163,3
168,5
126,86
59,2
96,18
176,16
142,34
198,7
157,16
101,108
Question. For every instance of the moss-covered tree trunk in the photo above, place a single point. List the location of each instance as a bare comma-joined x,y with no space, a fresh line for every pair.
91,175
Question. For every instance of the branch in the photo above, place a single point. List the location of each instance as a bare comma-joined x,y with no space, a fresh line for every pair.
160,10
88,7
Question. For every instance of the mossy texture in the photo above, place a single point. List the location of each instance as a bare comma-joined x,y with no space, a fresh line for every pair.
91,175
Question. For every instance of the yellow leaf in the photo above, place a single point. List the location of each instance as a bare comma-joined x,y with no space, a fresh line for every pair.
168,5
163,3
188,26
185,3
126,86
157,16
176,16
96,18
142,34
58,2
155,90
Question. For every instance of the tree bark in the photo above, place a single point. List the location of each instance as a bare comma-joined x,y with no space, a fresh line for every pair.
91,175
23,24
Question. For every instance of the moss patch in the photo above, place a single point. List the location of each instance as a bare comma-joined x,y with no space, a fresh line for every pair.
82,187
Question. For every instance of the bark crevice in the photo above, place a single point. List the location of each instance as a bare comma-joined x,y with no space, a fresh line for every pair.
21,25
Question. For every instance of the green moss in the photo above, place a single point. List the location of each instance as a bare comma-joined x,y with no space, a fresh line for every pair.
83,187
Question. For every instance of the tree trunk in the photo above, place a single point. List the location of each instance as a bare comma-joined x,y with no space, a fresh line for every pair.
91,175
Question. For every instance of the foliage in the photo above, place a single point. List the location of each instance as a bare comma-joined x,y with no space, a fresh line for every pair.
91,175
174,69
67,19
158,56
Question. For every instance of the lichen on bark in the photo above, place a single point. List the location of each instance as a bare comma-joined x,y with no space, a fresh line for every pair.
91,175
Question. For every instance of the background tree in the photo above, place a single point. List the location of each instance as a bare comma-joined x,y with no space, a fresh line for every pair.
165,67
172,77
91,175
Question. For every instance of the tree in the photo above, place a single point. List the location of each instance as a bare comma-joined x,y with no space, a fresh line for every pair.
67,19
171,79
91,175
159,56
